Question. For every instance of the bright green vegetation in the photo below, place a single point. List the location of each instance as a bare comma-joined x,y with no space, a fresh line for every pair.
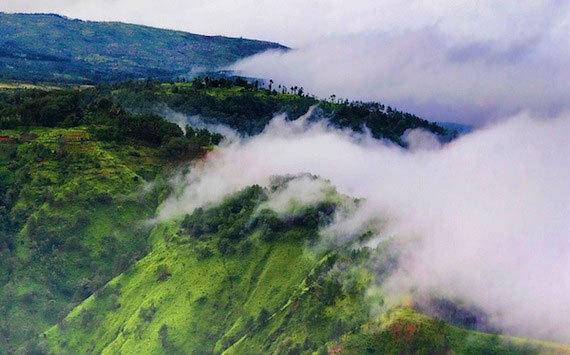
213,285
52,48
82,173
70,209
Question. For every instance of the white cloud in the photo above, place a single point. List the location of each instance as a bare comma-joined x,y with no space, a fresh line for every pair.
467,61
490,211
426,72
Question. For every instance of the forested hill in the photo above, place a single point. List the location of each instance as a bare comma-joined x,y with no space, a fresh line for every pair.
233,102
47,47
82,172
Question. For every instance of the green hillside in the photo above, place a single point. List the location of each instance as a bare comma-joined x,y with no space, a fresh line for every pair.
70,211
45,47
234,102
212,285
248,108
73,201
85,268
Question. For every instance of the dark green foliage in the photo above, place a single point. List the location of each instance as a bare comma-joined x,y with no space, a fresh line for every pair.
147,313
192,145
163,336
226,246
303,223
203,252
9,122
247,108
382,121
162,273
262,317
52,109
179,147
228,219
149,129
31,49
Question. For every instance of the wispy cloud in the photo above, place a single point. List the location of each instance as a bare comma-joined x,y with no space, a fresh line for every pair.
471,62
484,219
428,72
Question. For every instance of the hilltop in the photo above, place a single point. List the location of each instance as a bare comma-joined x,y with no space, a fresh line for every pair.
53,48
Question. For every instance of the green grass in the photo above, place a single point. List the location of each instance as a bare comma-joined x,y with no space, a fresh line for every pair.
200,301
75,208
265,296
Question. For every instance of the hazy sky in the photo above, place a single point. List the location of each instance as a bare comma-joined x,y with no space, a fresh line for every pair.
467,61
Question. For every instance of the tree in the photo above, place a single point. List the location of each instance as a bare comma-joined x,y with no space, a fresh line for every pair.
163,336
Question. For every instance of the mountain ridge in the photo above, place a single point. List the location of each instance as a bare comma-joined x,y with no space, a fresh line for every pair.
81,270
55,48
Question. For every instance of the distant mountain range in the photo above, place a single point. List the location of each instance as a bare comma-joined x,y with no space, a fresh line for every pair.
48,47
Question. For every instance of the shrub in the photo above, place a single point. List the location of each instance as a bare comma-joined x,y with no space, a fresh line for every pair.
263,317
225,246
147,313
88,318
162,273
163,336
202,300
203,252
180,148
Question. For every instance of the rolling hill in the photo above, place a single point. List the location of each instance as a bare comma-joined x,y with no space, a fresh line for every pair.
52,48
82,271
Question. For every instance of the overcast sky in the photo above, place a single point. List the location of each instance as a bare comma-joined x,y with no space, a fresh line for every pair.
466,61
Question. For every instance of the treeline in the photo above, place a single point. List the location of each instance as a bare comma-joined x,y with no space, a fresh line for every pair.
238,216
106,118
126,111
248,106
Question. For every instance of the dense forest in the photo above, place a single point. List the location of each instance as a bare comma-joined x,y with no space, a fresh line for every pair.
129,110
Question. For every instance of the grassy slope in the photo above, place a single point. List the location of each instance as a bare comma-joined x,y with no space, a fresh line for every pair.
74,207
199,303
267,296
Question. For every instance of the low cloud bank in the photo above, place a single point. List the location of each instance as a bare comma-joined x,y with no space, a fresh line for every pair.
197,122
429,72
470,62
485,219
